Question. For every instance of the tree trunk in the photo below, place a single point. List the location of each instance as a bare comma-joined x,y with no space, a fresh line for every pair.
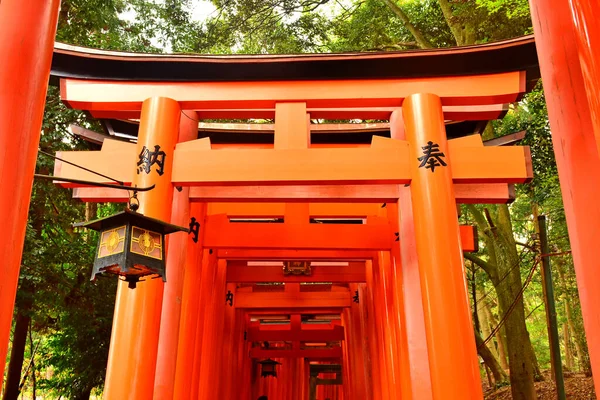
421,40
580,345
484,321
569,361
464,32
490,360
504,262
17,354
85,395
500,340
583,357
33,379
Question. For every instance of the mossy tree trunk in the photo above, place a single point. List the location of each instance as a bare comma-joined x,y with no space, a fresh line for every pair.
503,270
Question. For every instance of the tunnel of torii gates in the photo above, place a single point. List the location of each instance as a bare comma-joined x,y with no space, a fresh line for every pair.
356,284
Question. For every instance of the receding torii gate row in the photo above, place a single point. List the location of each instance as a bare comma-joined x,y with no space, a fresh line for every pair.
425,161
572,87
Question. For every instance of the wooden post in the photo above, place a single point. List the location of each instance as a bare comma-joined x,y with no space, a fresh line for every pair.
208,275
586,15
136,325
166,363
576,152
27,30
361,349
384,290
380,388
408,282
454,364
228,368
212,338
548,289
190,307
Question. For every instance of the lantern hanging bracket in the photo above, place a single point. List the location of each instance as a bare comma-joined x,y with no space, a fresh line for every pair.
99,184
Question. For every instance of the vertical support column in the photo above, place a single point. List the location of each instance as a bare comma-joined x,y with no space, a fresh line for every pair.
26,42
445,301
166,363
408,283
586,15
375,347
576,154
207,282
359,353
385,326
228,367
212,338
136,325
348,367
190,307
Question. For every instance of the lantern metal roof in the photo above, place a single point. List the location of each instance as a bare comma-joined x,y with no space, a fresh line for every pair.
134,218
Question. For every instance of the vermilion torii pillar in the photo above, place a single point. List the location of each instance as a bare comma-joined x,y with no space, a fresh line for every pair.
575,146
27,30
136,325
586,15
449,330
176,262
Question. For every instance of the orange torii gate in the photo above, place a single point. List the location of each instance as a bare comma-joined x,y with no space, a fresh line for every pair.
430,164
427,305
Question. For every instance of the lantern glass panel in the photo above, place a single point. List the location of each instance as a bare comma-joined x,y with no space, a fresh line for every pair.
146,243
112,242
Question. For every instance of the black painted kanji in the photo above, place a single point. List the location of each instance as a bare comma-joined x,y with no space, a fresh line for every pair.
148,158
194,229
229,298
432,157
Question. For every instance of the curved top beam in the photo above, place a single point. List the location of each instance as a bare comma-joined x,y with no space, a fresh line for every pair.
517,54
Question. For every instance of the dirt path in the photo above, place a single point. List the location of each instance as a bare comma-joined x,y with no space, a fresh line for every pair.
578,387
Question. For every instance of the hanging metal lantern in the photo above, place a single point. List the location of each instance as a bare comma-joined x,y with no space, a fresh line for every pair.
131,245
268,368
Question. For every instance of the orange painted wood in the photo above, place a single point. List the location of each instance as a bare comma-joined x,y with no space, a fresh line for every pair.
454,113
139,310
27,31
392,340
229,374
166,362
282,255
292,128
585,17
334,352
408,278
445,301
284,311
489,193
575,149
278,300
355,272
220,234
190,309
371,328
335,333
359,351
309,166
456,90
384,335
277,210
385,163
212,338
